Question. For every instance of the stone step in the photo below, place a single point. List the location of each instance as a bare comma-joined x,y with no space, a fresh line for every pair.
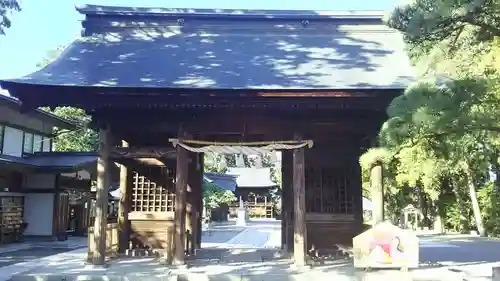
240,277
180,277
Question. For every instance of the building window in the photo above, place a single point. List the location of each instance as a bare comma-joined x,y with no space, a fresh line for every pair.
28,143
2,133
47,144
37,143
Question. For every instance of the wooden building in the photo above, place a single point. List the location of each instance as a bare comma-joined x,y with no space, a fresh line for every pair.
254,187
32,177
148,75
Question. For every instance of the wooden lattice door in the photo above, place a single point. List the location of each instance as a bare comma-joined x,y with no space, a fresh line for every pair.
153,192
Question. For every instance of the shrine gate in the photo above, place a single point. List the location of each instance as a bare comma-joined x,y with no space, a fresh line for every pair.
149,75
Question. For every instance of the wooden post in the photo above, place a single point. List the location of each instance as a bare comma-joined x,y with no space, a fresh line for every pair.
201,166
101,206
196,186
124,207
191,209
358,199
299,235
284,204
180,206
377,188
287,159
56,213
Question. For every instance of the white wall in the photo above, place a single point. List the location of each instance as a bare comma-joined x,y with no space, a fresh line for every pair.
38,212
13,142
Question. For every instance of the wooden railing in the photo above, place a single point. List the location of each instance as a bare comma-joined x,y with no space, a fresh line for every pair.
111,241
255,210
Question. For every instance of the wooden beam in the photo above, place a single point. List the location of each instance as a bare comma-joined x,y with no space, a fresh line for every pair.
299,247
232,124
101,208
124,206
180,204
142,152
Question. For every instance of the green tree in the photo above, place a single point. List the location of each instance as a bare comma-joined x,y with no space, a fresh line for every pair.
442,134
82,139
6,9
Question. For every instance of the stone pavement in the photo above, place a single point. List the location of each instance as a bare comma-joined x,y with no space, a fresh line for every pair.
71,243
249,253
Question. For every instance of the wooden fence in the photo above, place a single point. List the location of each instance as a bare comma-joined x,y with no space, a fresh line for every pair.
111,241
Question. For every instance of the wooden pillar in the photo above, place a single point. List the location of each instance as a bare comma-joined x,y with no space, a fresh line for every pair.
196,187
358,197
56,213
299,219
377,189
192,203
124,206
287,158
201,169
101,206
284,204
180,206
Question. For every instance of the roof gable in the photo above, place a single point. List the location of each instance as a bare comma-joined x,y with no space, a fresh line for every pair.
158,48
252,177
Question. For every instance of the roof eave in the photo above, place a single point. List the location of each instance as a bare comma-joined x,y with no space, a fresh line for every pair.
39,113
227,13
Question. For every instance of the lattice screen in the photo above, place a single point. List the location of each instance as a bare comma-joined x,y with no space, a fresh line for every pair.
330,190
154,192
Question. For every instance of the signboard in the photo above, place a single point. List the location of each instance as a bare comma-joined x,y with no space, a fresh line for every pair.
386,246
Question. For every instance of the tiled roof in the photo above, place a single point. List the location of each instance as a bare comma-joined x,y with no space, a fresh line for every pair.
252,177
52,161
223,181
229,49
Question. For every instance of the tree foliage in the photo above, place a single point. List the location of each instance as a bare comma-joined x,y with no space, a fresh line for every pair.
215,196
443,133
6,9
81,139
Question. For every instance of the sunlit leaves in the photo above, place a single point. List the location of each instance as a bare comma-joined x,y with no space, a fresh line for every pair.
81,139
214,196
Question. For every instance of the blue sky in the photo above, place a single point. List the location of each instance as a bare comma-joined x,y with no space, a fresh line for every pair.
41,27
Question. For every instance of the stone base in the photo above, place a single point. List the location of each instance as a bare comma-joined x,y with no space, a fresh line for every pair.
383,275
96,266
495,273
141,253
242,217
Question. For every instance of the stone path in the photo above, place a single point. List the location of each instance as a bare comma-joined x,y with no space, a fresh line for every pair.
71,243
234,253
